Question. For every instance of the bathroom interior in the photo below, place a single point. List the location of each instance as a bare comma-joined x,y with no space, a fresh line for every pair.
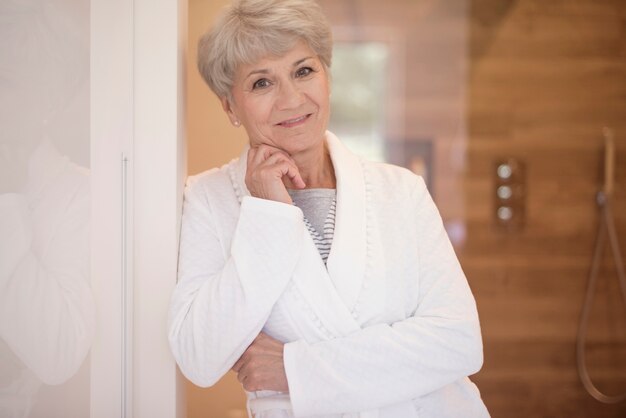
513,111
457,91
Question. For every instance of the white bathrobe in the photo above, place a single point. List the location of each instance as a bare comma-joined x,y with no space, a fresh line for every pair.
388,329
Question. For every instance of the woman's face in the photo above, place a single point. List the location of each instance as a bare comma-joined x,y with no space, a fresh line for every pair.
282,101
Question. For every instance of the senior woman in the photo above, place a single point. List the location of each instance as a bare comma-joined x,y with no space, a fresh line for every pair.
327,283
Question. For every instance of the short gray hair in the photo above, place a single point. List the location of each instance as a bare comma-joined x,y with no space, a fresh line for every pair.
248,30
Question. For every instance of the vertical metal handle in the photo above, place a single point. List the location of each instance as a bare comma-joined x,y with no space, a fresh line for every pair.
126,288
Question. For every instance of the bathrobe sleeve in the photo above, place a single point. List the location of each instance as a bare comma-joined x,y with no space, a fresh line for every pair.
224,296
386,364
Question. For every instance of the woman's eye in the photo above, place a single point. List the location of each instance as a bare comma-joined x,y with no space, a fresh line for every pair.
304,71
259,84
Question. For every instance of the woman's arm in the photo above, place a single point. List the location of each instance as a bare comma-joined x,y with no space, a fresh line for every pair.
224,296
385,364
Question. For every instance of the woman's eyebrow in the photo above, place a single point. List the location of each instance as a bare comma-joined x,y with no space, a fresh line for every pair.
258,71
267,71
300,61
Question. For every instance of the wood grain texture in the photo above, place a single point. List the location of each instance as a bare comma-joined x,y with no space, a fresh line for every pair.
545,77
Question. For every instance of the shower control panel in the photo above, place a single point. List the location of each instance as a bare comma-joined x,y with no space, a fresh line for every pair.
510,193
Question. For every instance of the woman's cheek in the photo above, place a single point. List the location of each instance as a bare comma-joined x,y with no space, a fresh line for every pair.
261,108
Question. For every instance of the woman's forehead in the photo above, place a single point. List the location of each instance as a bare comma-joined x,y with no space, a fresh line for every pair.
269,62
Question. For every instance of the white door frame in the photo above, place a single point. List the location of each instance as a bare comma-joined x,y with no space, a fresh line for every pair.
138,50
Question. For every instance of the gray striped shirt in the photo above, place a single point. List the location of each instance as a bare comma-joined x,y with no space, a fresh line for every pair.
318,206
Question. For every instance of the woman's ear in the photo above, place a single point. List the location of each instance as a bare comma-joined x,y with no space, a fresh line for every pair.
227,106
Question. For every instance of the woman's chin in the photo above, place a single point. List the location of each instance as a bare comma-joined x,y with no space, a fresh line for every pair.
302,142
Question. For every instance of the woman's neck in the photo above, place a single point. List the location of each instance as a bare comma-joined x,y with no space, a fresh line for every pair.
316,168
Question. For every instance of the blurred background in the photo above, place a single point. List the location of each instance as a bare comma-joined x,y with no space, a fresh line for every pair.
501,106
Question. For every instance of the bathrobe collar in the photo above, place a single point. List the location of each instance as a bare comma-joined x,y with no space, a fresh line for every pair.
347,259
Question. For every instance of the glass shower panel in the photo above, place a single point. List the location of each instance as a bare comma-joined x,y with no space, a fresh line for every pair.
46,304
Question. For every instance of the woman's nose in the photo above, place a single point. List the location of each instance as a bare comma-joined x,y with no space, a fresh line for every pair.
290,96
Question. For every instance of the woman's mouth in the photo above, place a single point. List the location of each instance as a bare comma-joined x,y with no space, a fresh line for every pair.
295,121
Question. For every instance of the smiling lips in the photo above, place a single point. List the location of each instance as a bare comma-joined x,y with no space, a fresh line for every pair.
294,122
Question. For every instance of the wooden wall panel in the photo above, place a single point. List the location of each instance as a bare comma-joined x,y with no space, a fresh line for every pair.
545,77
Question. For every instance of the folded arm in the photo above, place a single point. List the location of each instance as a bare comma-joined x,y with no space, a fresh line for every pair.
390,363
224,296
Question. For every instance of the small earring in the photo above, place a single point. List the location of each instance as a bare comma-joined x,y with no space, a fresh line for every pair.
237,123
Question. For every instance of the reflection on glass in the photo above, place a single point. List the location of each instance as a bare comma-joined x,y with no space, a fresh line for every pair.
359,74
46,306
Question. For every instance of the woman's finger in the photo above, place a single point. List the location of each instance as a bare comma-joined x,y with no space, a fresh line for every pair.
277,157
267,167
243,359
296,178
285,166
263,152
241,377
291,171
238,364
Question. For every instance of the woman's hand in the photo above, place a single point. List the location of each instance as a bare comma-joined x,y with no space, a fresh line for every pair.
266,168
261,366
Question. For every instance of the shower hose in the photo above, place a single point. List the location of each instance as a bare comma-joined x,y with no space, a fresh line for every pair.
606,227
